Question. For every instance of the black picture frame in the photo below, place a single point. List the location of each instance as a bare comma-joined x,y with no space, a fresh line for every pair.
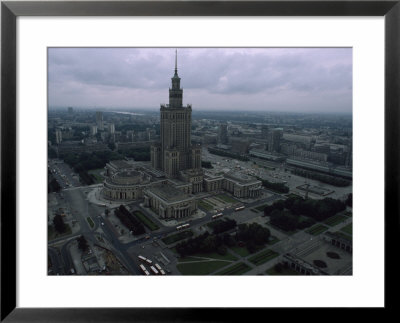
10,10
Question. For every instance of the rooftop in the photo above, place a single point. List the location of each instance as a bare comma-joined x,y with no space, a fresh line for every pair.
168,193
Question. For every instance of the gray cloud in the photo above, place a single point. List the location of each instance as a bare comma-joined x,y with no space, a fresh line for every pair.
302,79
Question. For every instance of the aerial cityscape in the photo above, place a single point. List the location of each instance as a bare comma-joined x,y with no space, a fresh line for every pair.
253,177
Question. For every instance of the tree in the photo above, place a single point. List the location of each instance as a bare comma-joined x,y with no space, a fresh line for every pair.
82,243
54,186
111,145
59,224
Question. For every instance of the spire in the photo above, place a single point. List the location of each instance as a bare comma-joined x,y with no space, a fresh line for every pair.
176,62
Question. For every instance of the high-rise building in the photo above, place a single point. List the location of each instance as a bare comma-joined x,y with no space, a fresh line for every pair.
99,120
58,136
93,130
223,134
175,152
274,139
111,128
70,110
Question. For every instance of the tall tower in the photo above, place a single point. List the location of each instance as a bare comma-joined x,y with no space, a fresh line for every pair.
175,152
99,120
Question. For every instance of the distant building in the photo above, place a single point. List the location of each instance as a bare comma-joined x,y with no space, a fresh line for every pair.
70,110
266,155
302,140
264,131
240,145
111,128
223,134
274,139
99,120
93,130
210,139
58,136
322,148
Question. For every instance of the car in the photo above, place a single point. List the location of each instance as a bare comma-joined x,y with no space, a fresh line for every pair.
102,223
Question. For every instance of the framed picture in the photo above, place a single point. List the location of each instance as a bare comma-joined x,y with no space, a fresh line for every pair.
33,36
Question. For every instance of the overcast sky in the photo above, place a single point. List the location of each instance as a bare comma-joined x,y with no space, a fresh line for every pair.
263,79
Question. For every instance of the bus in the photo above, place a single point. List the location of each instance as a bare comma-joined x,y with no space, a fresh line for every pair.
158,266
142,258
183,226
239,208
149,261
144,270
154,270
162,272
217,215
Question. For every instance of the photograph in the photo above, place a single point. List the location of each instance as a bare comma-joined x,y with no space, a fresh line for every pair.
200,161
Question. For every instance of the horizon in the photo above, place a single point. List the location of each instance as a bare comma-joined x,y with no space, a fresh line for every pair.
303,80
211,110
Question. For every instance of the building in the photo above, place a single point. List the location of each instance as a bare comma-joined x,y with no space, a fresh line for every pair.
175,152
264,131
93,130
111,128
260,153
223,134
302,140
274,139
58,136
240,145
99,120
169,183
169,202
238,184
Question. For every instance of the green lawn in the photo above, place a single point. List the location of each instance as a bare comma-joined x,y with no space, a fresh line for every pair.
215,255
177,237
348,229
263,257
96,173
146,221
201,268
317,229
272,240
189,258
336,219
226,198
237,269
206,206
90,221
241,251
343,235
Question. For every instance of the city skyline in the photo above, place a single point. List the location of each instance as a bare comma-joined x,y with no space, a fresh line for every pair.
254,79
